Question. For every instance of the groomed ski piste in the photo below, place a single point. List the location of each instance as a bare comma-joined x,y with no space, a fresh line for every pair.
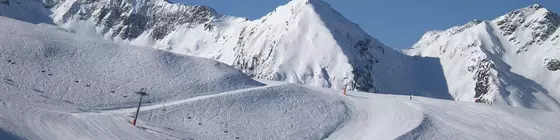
57,85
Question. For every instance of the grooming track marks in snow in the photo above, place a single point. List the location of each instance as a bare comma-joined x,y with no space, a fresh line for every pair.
67,87
56,85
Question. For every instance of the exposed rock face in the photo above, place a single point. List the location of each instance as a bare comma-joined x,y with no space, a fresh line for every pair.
482,76
553,64
128,19
527,26
364,77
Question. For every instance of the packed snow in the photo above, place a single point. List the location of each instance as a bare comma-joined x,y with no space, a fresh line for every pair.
59,85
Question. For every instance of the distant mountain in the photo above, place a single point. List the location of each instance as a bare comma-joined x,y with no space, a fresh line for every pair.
512,59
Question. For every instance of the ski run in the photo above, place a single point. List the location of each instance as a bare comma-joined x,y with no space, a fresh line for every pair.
57,85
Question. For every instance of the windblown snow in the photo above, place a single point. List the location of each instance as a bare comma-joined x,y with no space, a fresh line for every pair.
59,85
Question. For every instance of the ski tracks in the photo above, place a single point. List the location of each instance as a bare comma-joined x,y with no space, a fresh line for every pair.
174,103
104,124
61,125
377,117
371,117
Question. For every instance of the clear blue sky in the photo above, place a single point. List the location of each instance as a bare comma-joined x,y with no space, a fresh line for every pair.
396,23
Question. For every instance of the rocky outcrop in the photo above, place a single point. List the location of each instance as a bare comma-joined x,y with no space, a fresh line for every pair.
125,19
552,64
482,76
527,26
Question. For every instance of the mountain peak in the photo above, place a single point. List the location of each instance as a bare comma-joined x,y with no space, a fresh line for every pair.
316,26
318,5
432,36
306,2
320,12
534,6
529,12
496,55
534,22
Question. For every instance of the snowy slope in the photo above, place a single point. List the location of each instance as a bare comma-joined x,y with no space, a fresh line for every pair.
58,85
196,98
49,68
305,42
509,60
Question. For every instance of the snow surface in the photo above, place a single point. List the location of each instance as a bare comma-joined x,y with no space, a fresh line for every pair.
196,98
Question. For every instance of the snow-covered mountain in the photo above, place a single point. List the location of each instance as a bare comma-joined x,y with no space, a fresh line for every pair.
304,41
71,83
512,59
57,85
308,42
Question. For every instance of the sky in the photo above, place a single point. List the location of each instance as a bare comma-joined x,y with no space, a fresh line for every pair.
396,23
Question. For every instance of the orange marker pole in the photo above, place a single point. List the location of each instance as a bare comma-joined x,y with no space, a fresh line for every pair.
344,91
